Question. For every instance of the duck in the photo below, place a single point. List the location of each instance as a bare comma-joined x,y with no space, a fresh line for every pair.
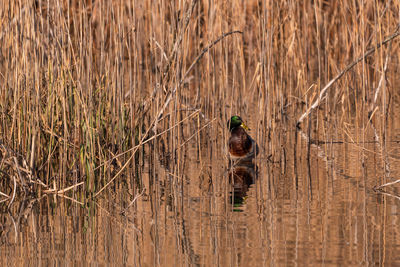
240,145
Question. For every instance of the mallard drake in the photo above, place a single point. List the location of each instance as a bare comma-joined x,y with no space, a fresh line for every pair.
241,145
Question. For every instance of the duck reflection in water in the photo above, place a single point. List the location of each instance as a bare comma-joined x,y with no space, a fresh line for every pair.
242,151
241,177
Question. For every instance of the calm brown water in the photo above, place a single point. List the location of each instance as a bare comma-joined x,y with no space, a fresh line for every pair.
308,206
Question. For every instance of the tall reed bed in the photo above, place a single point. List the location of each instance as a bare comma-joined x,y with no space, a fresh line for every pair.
90,90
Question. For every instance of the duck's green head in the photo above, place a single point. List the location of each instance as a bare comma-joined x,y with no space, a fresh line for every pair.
236,121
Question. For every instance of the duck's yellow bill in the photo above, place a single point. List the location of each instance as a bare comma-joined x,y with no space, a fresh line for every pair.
244,126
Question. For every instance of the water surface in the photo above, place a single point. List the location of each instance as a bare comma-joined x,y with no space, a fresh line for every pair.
309,205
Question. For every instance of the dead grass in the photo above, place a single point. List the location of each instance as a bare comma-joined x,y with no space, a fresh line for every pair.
83,85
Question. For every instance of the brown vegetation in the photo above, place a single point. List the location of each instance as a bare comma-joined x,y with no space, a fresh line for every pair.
89,90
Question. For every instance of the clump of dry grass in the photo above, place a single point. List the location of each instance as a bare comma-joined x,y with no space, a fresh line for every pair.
84,84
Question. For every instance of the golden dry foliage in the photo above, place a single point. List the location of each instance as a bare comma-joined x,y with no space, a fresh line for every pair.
83,84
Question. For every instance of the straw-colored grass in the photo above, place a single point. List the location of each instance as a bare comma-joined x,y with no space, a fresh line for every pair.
84,84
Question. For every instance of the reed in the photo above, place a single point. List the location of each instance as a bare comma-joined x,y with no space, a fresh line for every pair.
91,90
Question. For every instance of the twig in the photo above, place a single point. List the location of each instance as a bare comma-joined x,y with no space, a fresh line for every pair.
19,172
184,143
32,152
14,190
133,201
62,191
15,227
70,198
4,195
386,193
381,80
3,200
387,184
349,67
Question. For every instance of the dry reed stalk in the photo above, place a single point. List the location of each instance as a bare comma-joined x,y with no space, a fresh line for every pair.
83,84
387,184
134,149
4,195
196,133
144,140
133,201
62,191
13,193
349,67
387,194
197,59
70,198
381,82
